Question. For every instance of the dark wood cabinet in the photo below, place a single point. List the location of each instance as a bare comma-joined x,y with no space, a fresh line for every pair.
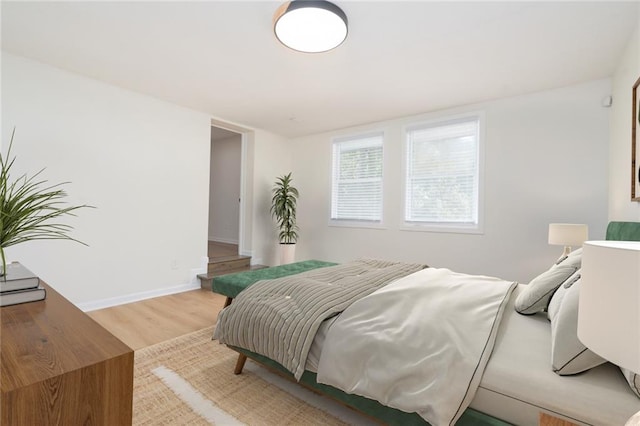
60,367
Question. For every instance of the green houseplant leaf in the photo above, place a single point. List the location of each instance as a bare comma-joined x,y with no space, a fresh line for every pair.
30,208
283,209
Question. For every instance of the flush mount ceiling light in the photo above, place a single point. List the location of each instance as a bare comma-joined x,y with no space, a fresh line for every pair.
310,26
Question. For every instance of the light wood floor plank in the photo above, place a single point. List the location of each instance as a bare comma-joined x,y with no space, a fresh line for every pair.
152,321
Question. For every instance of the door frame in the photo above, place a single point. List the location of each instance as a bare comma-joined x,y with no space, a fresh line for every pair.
244,231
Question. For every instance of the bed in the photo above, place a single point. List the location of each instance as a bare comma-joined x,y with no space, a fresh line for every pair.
517,382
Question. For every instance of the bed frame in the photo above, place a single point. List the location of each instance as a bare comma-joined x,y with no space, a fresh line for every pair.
620,231
370,408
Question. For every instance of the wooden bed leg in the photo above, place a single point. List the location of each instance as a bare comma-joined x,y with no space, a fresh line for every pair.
240,364
227,302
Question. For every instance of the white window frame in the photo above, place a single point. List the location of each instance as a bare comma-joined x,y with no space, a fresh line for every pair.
452,227
357,223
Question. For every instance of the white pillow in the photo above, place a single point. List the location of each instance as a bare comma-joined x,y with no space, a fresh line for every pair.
633,379
537,294
556,299
568,354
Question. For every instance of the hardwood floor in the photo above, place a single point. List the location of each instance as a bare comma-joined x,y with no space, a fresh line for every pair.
152,321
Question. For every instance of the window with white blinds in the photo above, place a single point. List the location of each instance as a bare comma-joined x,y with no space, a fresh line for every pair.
356,190
442,173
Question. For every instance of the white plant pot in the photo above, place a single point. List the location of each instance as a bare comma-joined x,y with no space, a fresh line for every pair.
287,253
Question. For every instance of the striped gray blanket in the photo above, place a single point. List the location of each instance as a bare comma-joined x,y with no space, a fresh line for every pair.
279,318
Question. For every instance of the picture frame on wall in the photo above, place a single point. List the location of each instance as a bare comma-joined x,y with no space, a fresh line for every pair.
635,143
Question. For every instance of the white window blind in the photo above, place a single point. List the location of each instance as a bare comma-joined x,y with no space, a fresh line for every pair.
442,172
356,190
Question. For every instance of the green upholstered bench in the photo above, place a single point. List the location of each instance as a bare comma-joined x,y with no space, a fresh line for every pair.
232,284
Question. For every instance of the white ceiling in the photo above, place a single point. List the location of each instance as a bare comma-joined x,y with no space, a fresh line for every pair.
400,58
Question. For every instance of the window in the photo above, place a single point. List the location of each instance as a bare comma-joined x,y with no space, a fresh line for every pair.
356,189
442,173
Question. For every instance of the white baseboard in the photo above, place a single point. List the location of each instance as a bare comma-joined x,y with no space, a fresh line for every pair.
136,297
192,284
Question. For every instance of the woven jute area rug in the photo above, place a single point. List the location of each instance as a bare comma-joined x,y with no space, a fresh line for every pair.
189,381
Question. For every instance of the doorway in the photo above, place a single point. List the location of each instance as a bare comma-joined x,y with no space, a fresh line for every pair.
224,193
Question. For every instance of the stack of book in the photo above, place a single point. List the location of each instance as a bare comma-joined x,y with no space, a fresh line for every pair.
20,285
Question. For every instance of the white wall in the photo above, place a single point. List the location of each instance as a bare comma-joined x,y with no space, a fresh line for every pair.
224,189
272,157
628,71
545,161
144,165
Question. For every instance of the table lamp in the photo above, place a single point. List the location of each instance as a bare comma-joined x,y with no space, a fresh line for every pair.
609,306
567,235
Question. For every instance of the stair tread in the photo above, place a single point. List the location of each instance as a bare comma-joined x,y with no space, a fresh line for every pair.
212,275
225,259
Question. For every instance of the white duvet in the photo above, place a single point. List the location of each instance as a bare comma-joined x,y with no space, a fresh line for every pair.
419,344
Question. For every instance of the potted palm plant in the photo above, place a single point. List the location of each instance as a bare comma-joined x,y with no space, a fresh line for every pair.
283,209
30,208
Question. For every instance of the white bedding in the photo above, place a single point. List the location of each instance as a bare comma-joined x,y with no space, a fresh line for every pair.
518,382
427,350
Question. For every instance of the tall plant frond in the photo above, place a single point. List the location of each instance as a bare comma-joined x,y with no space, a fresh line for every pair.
30,207
283,209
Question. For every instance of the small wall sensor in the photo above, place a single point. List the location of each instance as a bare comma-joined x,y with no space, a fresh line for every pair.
607,101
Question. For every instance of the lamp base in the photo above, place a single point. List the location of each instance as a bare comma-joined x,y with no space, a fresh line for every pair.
565,253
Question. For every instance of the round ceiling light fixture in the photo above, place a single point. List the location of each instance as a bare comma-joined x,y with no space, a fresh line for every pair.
310,26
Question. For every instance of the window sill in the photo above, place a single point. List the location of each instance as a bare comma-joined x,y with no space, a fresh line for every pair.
356,224
444,228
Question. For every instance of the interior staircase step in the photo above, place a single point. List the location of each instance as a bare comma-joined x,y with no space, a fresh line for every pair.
227,263
206,279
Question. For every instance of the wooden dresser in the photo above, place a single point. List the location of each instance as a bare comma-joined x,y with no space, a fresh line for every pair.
60,367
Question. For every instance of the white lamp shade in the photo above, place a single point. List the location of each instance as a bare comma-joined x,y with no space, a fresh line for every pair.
609,307
568,234
311,26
